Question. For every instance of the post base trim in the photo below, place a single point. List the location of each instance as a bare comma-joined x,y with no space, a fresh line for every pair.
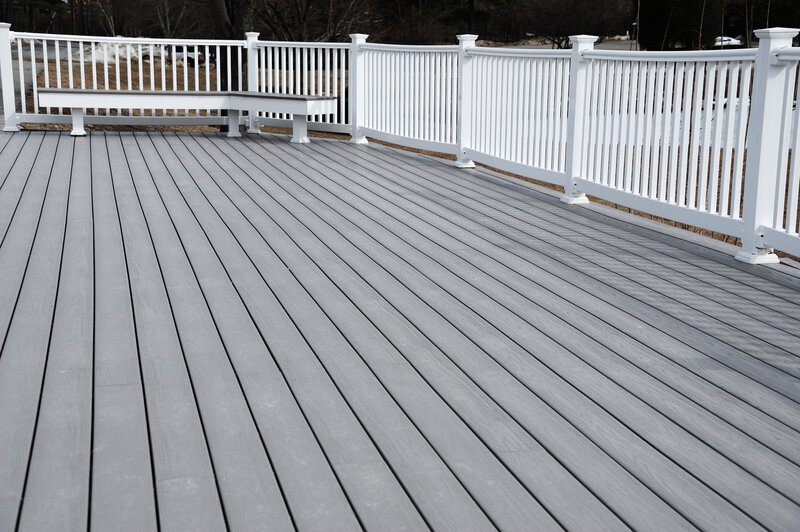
757,258
574,200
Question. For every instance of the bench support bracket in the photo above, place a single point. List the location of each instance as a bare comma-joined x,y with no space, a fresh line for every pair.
77,122
299,129
233,123
252,123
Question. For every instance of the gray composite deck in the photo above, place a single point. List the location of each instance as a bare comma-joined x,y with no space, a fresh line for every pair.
201,332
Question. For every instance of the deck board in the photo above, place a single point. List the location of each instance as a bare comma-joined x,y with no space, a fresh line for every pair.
376,494
300,465
733,442
675,278
423,471
722,267
27,341
725,323
333,336
691,454
122,490
15,169
414,394
184,475
248,488
394,315
506,322
57,489
522,256
21,214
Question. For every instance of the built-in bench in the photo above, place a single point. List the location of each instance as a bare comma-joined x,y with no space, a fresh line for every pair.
299,106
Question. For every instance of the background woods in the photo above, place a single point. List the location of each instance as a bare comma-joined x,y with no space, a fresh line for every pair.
657,24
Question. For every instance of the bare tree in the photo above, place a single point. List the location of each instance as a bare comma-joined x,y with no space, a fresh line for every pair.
172,17
557,19
106,8
231,18
315,20
700,27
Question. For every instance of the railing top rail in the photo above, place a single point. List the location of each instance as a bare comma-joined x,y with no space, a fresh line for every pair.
302,44
518,52
122,40
695,55
409,47
788,54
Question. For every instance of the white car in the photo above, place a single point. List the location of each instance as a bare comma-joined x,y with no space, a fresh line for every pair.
727,41
189,54
192,55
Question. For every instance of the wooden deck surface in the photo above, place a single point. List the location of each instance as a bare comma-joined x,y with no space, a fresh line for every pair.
201,332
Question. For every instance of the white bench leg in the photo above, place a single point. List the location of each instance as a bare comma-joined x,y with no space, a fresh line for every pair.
233,123
299,129
77,122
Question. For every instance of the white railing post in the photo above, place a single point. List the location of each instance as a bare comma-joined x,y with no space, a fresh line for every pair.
465,96
578,98
252,76
356,88
763,145
7,79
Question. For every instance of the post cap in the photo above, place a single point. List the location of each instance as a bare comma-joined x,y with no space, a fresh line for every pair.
252,34
466,40
359,37
582,43
583,39
5,25
776,33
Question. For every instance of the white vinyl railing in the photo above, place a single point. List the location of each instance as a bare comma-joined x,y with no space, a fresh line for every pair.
410,95
519,107
705,138
304,68
786,219
670,128
666,133
85,62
